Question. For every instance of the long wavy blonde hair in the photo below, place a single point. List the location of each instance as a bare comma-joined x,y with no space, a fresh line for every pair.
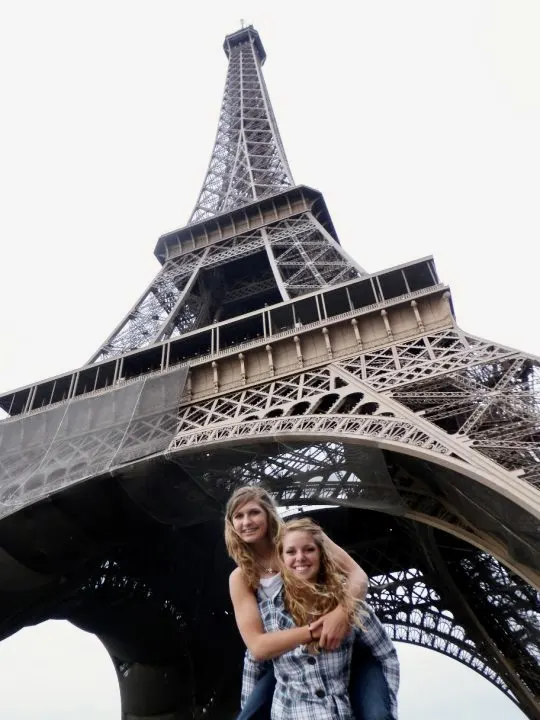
306,601
240,551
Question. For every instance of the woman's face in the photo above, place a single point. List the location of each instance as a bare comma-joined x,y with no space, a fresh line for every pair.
301,555
250,522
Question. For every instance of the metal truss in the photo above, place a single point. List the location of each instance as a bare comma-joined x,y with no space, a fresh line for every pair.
360,398
414,613
469,388
248,160
248,163
495,405
307,257
171,304
302,258
461,602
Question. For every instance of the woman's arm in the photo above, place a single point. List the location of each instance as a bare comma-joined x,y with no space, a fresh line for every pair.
336,623
263,645
357,580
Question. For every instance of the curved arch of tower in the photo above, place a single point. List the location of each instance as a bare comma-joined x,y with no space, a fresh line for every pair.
263,353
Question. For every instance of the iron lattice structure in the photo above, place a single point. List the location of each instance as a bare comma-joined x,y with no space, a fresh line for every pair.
248,160
263,353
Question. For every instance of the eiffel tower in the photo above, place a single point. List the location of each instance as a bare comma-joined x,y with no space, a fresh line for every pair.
263,353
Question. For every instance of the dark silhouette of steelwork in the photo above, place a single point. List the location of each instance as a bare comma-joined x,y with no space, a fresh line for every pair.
263,353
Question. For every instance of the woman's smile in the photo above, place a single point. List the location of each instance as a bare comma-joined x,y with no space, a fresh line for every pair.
248,532
250,522
301,555
302,568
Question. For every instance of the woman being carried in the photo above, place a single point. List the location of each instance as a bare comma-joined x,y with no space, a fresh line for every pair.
251,532
310,683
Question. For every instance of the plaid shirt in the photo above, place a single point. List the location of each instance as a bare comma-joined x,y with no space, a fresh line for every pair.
315,687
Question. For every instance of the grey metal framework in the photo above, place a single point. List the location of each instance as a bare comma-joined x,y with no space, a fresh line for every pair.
248,160
188,292
263,353
248,163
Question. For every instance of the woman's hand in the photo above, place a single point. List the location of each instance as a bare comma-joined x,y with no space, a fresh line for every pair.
335,626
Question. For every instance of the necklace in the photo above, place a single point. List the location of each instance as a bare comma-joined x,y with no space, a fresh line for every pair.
267,570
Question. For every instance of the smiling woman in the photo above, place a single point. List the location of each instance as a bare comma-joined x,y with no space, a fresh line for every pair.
310,682
55,670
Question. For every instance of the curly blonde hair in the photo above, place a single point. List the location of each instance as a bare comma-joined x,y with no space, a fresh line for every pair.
240,551
306,601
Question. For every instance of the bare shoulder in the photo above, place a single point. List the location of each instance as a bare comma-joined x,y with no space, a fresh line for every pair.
237,581
235,573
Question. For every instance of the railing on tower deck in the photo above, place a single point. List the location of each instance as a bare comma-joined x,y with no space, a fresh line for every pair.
394,287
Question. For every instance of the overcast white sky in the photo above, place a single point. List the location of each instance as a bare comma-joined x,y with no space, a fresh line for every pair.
417,120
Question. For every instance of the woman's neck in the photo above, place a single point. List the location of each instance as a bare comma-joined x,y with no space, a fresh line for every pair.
264,554
263,548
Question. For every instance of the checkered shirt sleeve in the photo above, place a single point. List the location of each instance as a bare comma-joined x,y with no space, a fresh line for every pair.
253,671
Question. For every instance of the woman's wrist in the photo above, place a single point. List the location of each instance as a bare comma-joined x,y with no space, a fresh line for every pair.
307,634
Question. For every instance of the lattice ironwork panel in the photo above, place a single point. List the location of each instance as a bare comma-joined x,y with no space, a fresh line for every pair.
150,314
257,401
507,609
307,257
424,597
427,355
248,160
414,613
494,401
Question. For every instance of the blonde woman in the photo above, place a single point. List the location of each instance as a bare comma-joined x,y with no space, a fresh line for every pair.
310,683
252,527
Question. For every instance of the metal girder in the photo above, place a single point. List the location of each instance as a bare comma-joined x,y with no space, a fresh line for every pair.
248,160
303,258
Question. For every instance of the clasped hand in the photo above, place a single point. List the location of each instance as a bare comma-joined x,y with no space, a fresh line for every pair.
331,629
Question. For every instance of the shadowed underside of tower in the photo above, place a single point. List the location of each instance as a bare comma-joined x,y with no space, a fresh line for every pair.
263,353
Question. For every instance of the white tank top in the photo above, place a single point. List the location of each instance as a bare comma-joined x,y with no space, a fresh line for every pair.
270,585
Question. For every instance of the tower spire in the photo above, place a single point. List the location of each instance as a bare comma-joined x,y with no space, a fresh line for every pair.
248,161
